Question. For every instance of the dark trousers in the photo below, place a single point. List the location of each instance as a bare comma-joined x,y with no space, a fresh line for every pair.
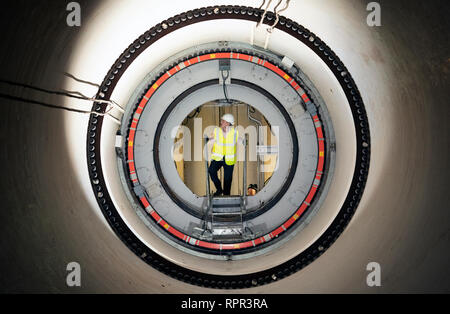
228,175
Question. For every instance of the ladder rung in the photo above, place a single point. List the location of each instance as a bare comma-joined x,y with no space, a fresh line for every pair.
226,210
226,205
227,224
234,231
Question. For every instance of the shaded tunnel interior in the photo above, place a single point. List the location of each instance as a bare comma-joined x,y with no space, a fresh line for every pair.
49,221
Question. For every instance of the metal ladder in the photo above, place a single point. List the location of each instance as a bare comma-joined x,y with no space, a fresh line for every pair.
226,212
226,218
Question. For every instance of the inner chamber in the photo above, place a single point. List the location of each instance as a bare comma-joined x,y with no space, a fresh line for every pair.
262,149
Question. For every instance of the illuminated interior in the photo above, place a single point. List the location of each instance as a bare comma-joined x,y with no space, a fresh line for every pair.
193,173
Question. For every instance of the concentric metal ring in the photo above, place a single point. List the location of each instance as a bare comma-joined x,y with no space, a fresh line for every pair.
326,239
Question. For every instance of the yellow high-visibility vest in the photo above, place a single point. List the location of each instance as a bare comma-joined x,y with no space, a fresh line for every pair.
225,146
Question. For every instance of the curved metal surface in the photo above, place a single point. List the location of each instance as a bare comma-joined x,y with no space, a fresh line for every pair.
334,70
49,220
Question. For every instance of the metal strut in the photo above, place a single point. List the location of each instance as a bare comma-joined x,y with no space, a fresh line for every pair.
72,94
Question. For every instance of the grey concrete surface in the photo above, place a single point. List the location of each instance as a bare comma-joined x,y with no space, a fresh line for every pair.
403,221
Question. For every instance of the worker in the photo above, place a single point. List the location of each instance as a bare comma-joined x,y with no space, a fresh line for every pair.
224,154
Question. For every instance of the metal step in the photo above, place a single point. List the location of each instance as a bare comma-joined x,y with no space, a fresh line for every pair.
226,210
226,224
229,232
220,202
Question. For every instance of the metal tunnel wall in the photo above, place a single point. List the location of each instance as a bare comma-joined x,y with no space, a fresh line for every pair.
49,216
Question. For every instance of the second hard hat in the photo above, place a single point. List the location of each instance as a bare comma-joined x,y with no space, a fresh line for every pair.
229,118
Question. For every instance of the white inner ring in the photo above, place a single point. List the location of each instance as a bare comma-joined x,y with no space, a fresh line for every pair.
302,122
338,108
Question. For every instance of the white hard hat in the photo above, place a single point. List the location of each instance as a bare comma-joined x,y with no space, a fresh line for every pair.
229,118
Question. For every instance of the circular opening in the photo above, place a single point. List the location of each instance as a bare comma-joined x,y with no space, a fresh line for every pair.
307,189
190,152
211,90
293,117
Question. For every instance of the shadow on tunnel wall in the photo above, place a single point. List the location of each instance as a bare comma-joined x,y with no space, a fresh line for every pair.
39,195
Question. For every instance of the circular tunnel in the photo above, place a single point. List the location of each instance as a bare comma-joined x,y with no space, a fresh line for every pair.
338,196
240,227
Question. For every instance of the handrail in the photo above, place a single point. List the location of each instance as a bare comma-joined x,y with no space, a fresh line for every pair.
244,185
259,141
208,188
